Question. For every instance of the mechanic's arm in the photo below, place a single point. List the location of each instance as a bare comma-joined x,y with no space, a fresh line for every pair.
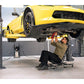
56,43
52,40
56,40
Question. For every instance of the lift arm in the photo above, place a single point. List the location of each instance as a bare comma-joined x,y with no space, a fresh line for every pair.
15,36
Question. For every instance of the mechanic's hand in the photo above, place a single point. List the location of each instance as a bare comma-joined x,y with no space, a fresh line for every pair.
55,34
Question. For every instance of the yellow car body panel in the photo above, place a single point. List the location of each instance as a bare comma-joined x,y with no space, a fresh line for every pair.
16,26
42,15
4,28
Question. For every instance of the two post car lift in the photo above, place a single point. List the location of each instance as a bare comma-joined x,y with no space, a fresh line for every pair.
69,56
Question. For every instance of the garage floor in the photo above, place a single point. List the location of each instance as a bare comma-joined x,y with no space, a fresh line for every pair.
24,68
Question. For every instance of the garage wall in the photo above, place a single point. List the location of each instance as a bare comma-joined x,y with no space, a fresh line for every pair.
26,48
32,47
78,6
7,49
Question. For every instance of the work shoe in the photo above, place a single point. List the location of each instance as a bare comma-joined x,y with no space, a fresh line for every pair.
44,67
40,65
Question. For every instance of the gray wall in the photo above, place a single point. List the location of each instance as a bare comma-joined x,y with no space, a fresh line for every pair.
78,6
26,48
31,48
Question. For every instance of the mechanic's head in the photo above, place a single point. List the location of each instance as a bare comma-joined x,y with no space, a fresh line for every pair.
65,40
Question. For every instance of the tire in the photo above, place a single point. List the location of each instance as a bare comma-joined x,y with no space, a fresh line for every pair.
75,35
41,39
28,19
11,40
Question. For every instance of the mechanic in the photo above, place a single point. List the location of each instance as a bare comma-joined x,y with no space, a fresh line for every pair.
55,57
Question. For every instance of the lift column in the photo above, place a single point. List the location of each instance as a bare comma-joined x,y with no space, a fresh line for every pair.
69,50
1,67
74,48
0,39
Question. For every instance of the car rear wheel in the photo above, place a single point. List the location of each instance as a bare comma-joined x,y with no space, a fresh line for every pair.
41,39
28,23
11,40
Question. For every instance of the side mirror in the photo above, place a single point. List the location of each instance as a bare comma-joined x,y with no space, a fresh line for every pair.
15,14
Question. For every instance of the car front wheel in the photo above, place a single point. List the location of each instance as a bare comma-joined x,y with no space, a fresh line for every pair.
28,23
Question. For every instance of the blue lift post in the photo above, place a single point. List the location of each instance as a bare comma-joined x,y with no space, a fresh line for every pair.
1,67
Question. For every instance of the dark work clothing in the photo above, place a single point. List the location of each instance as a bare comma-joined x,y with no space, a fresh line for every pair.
48,56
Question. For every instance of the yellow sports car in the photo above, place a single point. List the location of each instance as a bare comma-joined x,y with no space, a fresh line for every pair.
41,21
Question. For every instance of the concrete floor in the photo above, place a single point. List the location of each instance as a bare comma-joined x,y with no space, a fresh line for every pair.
24,68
